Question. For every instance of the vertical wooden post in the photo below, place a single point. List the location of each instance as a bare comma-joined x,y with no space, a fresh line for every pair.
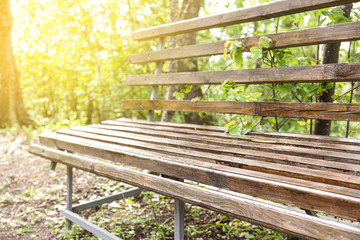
69,182
179,220
154,91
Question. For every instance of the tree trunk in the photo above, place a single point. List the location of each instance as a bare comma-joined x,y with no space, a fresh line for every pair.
331,55
12,109
189,9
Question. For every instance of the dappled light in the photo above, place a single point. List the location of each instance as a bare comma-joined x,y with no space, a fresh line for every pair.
191,119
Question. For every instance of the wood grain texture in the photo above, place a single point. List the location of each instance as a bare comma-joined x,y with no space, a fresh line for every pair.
261,213
329,111
215,129
281,169
223,138
302,154
168,164
200,151
340,72
256,13
305,197
304,37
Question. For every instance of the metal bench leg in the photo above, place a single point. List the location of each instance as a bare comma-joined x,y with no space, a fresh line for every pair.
69,182
53,165
179,220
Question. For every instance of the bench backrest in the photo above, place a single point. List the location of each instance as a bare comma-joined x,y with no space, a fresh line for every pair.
344,72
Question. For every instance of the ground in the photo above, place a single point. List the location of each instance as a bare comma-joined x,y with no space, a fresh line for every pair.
31,197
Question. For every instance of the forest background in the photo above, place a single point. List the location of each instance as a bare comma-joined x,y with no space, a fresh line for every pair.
72,57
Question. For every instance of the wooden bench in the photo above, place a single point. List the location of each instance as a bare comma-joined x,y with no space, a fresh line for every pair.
317,173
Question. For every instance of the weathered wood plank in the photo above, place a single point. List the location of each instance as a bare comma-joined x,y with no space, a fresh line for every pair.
200,151
304,37
312,138
307,198
328,111
173,124
254,148
339,72
164,163
221,138
274,152
256,212
215,131
256,13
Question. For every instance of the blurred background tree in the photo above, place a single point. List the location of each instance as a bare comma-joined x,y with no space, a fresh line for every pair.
73,59
12,109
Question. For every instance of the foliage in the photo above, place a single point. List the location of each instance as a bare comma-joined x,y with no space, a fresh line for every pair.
74,64
264,55
179,95
75,61
336,16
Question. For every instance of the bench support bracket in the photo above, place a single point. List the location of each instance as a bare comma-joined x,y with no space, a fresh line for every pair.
107,199
96,230
72,217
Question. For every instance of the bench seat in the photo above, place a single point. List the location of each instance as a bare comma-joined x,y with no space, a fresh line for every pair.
318,173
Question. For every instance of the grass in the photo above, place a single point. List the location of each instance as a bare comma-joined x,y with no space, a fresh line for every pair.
150,216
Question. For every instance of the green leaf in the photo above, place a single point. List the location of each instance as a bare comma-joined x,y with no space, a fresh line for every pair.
236,130
327,13
337,11
341,19
248,128
256,53
238,57
186,89
265,42
321,21
179,95
329,85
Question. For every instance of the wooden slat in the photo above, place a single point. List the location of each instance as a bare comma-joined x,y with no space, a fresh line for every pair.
249,158
114,152
210,130
250,143
201,152
329,111
335,204
256,212
311,138
256,13
340,72
173,124
223,138
312,36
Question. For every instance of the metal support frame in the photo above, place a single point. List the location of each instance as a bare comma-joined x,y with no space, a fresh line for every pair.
96,230
72,217
179,205
107,199
69,181
154,91
70,212
179,220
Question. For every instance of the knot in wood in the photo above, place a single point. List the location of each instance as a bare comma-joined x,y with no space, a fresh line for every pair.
342,70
